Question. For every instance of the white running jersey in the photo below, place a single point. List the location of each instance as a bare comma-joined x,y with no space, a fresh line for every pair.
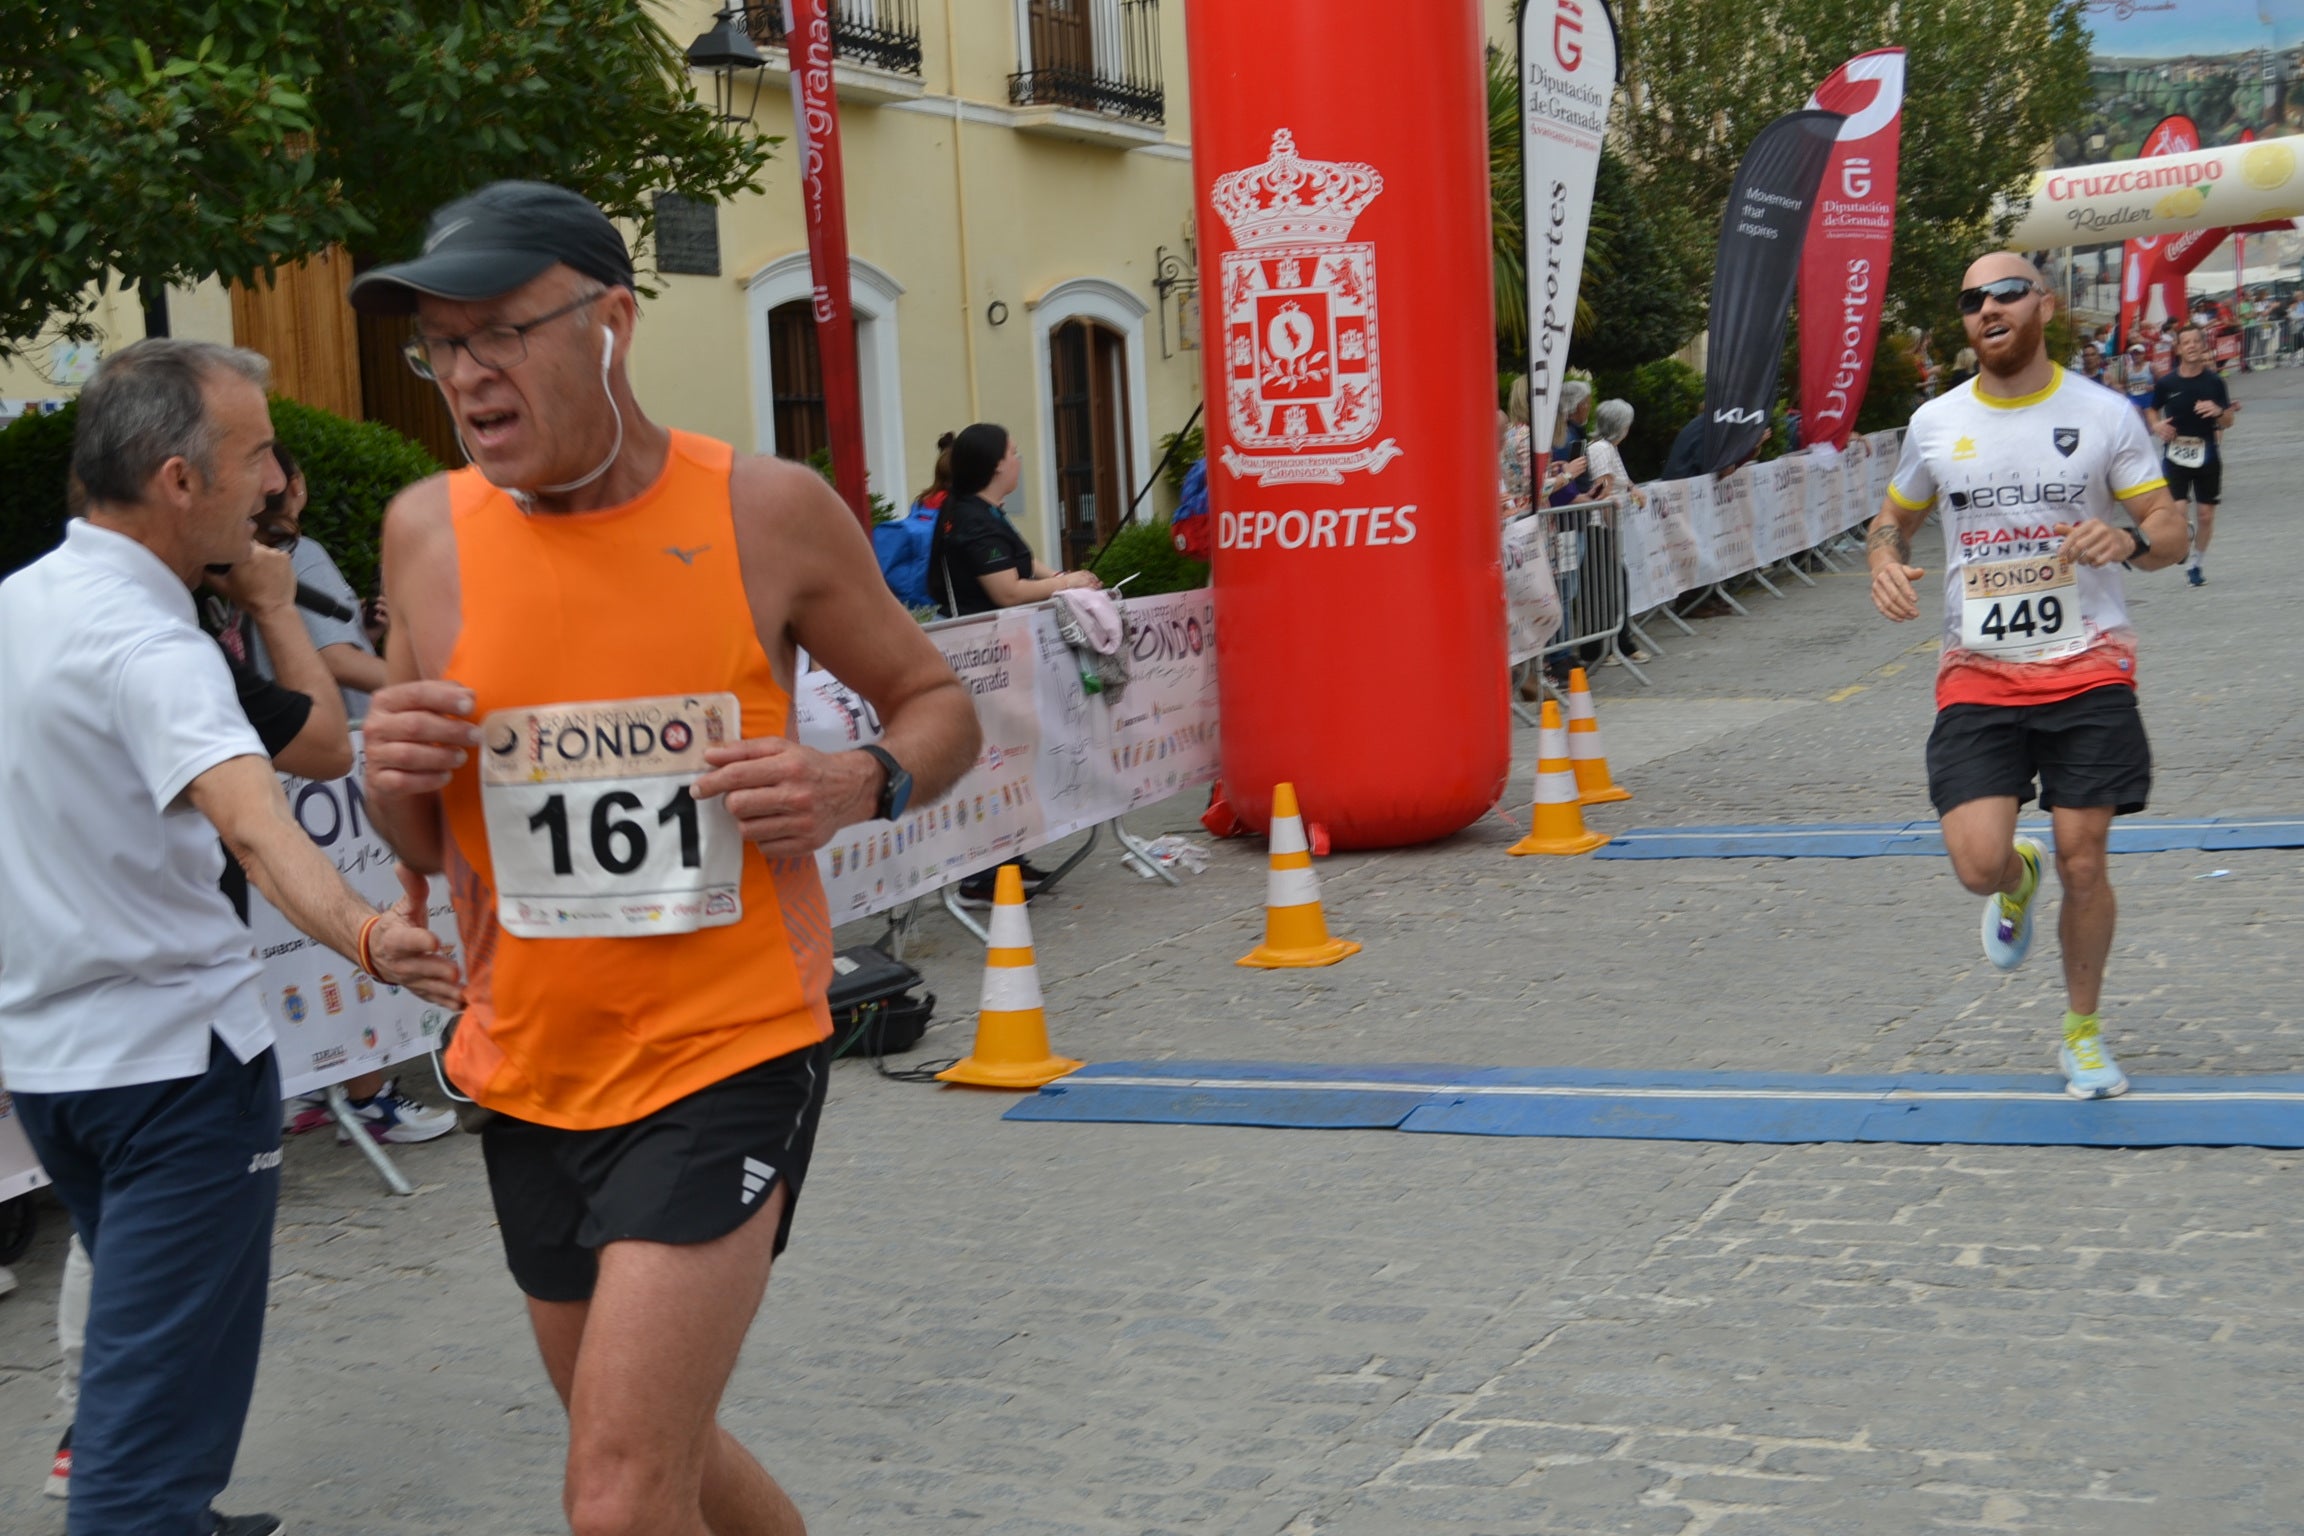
2007,471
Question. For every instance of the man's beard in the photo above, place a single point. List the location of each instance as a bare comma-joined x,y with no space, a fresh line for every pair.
2016,349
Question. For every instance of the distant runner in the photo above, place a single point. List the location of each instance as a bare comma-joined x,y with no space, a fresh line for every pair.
2038,675
2190,410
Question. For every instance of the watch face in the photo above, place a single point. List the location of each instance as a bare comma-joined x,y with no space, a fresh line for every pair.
898,794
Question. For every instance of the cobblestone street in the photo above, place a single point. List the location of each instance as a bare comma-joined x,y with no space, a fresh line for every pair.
1037,1330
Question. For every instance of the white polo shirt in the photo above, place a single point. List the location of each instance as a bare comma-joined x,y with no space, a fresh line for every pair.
119,956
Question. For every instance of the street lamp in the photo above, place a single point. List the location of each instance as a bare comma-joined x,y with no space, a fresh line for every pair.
727,51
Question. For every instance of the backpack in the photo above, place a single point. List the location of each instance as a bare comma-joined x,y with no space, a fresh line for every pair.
902,547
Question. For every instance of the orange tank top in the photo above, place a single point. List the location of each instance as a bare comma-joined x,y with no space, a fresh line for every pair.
639,602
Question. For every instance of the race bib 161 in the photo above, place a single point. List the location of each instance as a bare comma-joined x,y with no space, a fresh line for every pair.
590,823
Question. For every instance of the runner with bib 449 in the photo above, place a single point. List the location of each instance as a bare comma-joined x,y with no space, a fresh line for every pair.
2048,484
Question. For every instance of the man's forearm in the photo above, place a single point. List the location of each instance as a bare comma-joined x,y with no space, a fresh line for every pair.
296,665
2170,536
1888,542
353,667
297,877
936,737
412,826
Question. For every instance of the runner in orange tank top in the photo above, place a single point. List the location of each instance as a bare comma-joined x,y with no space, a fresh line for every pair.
587,727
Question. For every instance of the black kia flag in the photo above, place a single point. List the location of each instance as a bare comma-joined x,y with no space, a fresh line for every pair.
1753,278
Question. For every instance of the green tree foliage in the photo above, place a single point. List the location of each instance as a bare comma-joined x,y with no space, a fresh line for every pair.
352,469
1647,297
1986,91
147,142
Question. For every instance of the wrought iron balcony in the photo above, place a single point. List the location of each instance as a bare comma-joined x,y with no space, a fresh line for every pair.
1095,55
880,34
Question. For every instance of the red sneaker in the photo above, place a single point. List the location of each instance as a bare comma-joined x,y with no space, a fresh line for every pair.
60,1470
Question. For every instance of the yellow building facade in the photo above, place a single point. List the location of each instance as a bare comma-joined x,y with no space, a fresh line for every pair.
1019,188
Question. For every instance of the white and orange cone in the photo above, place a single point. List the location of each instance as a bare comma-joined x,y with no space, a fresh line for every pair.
1011,1049
1295,928
1558,825
1590,758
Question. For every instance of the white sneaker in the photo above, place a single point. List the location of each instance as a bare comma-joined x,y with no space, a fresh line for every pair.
2090,1072
394,1118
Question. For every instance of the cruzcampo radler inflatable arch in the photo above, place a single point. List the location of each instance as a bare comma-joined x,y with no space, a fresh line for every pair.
1340,161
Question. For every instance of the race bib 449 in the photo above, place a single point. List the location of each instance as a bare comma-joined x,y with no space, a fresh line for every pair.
591,827
2022,610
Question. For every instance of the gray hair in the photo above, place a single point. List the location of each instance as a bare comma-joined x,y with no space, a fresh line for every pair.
147,405
1573,394
1611,419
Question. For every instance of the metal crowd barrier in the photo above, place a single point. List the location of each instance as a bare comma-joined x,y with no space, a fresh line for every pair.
1587,555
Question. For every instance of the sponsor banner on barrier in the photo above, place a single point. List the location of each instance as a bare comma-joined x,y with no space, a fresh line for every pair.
333,1020
1781,488
1647,560
1531,596
992,813
1056,759
1165,737
1827,494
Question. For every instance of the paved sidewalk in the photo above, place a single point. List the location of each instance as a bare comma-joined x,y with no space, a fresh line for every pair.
1026,1330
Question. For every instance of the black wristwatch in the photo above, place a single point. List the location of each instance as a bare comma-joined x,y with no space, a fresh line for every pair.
2143,546
895,789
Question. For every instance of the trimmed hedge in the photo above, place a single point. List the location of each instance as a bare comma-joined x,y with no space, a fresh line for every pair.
352,468
1148,552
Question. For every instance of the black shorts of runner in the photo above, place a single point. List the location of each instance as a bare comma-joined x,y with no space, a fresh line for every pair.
697,1169
2088,750
2204,485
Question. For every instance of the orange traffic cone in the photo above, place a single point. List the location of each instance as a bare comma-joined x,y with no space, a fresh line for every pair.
1559,822
1593,785
1011,1049
1295,929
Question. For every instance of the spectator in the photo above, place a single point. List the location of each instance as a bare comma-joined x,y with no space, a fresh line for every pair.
978,561
902,544
1963,369
1566,479
137,1045
354,670
342,643
1515,450
1604,562
300,721
2090,363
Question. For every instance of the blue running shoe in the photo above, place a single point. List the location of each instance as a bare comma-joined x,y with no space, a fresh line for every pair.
2008,921
2089,1070
2192,575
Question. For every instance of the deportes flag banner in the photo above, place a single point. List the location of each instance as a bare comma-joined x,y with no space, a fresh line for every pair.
1844,265
1761,231
824,191
2140,257
1568,73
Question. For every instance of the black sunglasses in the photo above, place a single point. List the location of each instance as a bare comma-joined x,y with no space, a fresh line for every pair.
2007,290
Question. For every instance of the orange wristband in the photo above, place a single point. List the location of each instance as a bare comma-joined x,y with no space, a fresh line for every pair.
367,961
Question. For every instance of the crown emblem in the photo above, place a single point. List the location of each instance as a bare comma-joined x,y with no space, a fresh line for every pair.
1287,199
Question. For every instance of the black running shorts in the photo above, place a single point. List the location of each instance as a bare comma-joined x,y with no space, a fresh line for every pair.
695,1170
2204,485
2088,750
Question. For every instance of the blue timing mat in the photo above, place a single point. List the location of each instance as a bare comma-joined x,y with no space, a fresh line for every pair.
1871,840
2000,1110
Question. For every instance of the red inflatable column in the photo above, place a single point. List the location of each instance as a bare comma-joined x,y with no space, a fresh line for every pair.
1340,152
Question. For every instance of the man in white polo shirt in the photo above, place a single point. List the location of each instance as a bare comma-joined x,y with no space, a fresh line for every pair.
131,1031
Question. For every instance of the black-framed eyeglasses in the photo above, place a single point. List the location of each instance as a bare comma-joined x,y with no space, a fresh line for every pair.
496,347
2007,290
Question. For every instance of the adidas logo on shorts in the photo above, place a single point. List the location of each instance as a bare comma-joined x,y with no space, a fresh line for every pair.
757,1177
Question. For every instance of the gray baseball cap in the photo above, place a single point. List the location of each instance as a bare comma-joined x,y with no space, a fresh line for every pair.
491,242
